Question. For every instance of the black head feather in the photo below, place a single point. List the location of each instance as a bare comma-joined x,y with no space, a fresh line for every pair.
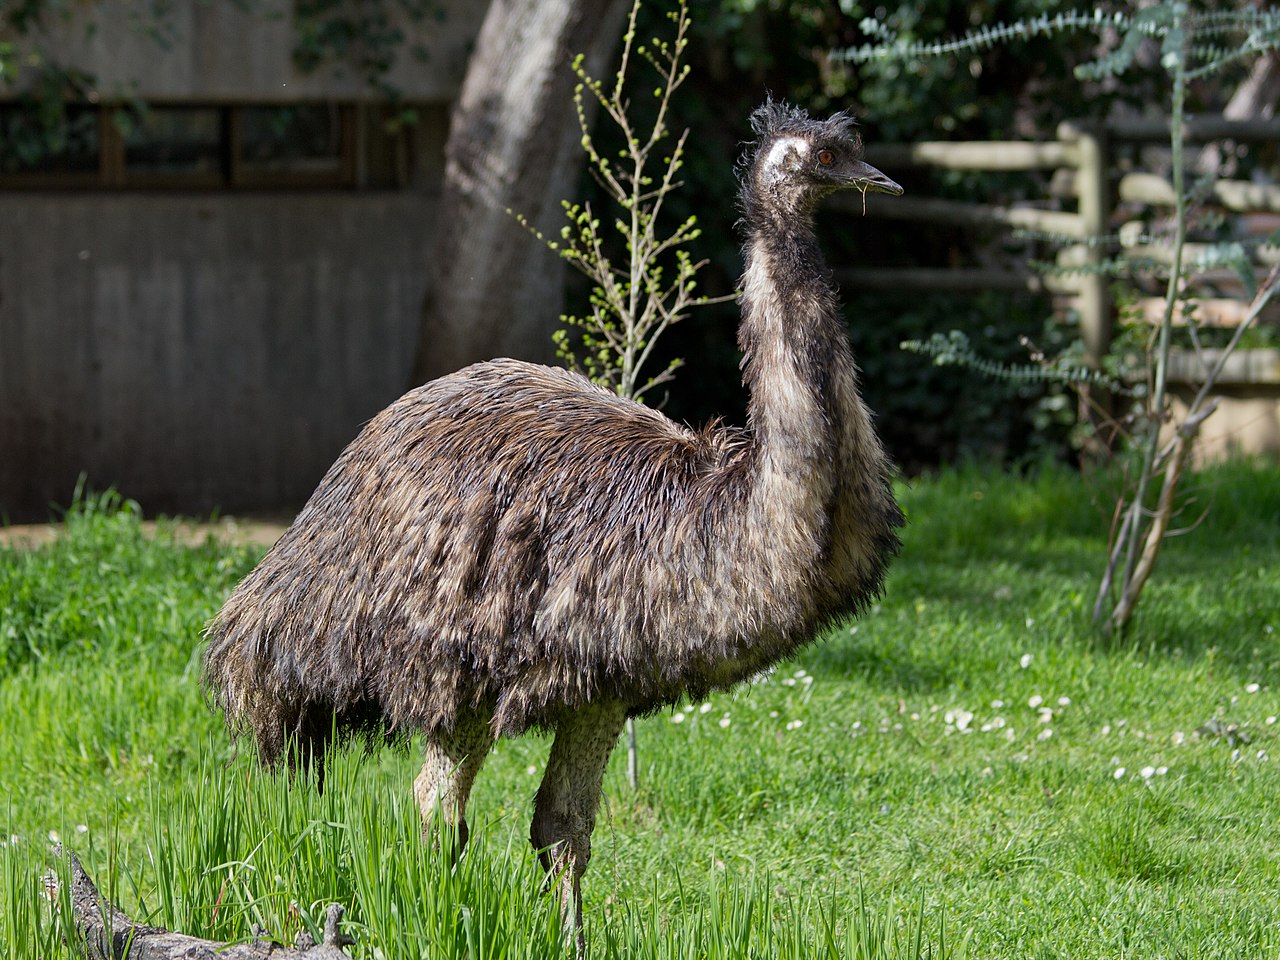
776,118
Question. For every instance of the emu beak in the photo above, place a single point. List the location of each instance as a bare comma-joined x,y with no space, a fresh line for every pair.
865,177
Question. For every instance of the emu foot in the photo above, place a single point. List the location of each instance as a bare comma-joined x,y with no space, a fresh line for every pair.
563,875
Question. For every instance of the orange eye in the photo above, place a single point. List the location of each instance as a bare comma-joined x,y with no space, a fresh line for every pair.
826,157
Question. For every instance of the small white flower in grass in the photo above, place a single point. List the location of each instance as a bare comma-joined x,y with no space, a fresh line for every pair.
857,724
704,708
677,718
788,681
795,724
853,630
81,828
530,770
1262,756
725,721
1178,737
1064,701
1030,623
1026,658
1147,772
774,713
1044,734
799,674
1251,688
14,839
1235,756
1118,773
1010,735
1161,771
963,719
1270,720
1046,715
54,837
997,704
807,679
1106,729
1035,701
915,716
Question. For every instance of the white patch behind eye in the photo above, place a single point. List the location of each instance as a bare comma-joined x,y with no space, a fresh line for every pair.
773,163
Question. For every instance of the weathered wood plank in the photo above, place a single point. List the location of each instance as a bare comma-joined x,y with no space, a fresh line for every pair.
1238,195
975,154
1221,312
920,279
1243,368
962,213
1198,129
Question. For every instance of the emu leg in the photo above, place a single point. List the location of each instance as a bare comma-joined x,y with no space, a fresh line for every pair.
448,774
564,811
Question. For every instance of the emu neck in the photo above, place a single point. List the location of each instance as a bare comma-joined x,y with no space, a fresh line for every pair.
793,346
821,484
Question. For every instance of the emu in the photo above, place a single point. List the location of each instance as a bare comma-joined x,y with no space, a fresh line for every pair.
511,547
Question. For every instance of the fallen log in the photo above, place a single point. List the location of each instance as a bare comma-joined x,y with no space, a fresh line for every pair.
108,934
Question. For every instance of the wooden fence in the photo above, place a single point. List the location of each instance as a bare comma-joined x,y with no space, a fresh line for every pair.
1084,174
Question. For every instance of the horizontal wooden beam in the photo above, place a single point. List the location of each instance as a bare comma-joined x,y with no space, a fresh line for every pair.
1198,129
962,213
1076,255
1193,253
1210,312
933,280
1243,367
975,155
1238,195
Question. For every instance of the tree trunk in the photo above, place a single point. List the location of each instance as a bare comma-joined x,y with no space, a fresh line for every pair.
107,934
513,145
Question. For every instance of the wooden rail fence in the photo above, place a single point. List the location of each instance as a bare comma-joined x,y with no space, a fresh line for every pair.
1083,163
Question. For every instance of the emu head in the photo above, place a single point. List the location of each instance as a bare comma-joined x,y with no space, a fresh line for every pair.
796,161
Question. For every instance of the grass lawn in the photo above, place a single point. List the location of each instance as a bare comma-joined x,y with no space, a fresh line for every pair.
971,763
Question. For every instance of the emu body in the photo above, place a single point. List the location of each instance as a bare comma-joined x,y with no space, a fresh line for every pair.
511,546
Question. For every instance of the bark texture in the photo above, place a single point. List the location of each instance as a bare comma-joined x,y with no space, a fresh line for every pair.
108,934
513,145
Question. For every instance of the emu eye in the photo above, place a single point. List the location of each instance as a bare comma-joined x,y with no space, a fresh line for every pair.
826,157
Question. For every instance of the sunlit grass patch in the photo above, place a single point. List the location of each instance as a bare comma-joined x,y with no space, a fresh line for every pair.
970,754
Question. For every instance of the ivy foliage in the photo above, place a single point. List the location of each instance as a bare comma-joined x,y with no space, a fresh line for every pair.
46,129
365,37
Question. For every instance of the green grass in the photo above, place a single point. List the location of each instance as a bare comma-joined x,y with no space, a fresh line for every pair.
906,794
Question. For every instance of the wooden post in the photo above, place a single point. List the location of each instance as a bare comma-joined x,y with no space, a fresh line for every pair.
1097,313
1093,190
